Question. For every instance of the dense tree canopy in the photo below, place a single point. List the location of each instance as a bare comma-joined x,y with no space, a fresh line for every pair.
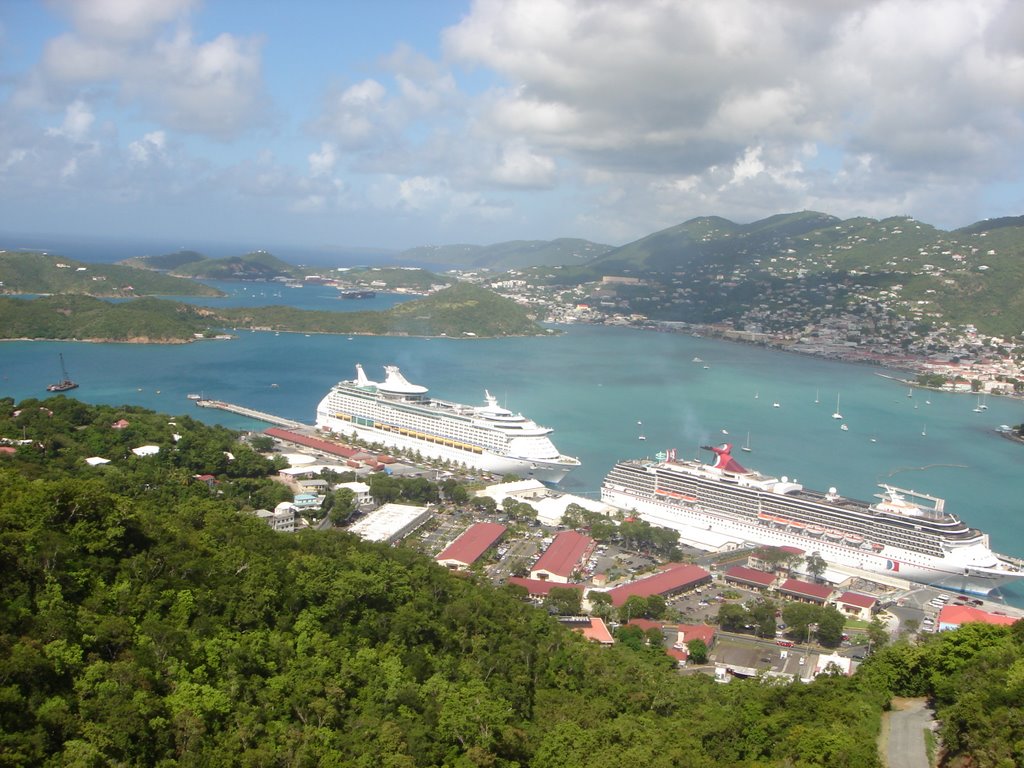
147,619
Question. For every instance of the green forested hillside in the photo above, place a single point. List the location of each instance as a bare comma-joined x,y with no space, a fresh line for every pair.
84,317
407,278
167,261
258,265
147,619
33,272
973,275
459,311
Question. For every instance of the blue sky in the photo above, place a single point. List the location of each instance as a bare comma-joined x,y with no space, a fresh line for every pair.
401,123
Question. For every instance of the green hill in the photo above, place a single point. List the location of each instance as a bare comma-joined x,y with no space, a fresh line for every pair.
148,618
462,310
87,318
258,265
392,278
34,272
509,255
974,275
166,262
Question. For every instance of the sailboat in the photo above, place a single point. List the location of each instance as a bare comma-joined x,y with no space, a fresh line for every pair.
837,414
65,382
980,407
746,446
924,431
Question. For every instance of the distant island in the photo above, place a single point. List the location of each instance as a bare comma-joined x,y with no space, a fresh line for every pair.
40,273
460,311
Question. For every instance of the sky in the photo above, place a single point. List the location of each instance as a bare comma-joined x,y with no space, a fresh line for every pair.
398,123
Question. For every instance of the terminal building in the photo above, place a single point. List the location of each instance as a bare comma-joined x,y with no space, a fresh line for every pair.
470,545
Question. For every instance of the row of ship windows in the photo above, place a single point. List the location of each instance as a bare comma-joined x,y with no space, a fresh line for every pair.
491,442
641,483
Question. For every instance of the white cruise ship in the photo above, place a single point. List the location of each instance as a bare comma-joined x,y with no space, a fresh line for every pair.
905,534
400,414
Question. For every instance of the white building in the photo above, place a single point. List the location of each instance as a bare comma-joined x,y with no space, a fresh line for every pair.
391,522
284,518
360,490
549,503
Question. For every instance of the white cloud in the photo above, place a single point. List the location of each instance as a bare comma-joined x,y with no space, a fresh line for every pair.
519,166
150,148
144,53
322,163
78,119
122,20
736,97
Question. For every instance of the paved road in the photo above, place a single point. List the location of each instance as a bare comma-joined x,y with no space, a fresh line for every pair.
903,733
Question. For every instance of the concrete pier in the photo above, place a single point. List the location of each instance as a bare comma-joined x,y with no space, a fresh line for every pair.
252,413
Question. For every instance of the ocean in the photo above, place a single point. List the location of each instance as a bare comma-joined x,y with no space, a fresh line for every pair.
600,389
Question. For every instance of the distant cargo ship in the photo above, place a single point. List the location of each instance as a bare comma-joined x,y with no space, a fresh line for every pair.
400,414
357,294
906,534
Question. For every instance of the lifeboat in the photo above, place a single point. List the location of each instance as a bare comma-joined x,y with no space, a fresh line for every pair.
834,535
816,530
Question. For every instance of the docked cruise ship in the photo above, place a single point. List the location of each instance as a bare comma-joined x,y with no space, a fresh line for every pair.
400,414
904,534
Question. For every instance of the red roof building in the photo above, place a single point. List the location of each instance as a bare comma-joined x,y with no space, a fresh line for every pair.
953,616
538,588
470,545
856,604
562,557
750,577
804,590
595,630
120,424
688,632
311,442
676,578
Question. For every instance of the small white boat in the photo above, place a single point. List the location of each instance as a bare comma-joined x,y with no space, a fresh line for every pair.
837,414
844,427
746,446
641,437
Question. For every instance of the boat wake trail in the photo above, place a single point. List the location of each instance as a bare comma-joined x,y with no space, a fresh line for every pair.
922,469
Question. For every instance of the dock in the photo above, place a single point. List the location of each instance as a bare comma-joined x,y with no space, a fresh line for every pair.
252,413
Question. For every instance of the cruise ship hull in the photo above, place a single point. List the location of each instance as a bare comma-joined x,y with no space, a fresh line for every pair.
400,415
706,530
545,471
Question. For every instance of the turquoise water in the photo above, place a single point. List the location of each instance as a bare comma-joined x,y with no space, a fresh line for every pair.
592,385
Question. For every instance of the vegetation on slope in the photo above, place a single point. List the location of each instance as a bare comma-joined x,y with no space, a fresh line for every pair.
87,318
147,619
34,272
392,278
970,276
459,311
258,265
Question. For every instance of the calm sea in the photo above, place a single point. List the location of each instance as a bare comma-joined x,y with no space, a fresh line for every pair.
600,389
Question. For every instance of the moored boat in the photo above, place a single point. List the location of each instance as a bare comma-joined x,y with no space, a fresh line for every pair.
400,414
905,533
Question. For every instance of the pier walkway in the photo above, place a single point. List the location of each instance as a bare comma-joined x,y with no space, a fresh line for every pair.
252,413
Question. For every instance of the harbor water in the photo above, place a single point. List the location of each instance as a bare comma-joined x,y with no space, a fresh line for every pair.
601,390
